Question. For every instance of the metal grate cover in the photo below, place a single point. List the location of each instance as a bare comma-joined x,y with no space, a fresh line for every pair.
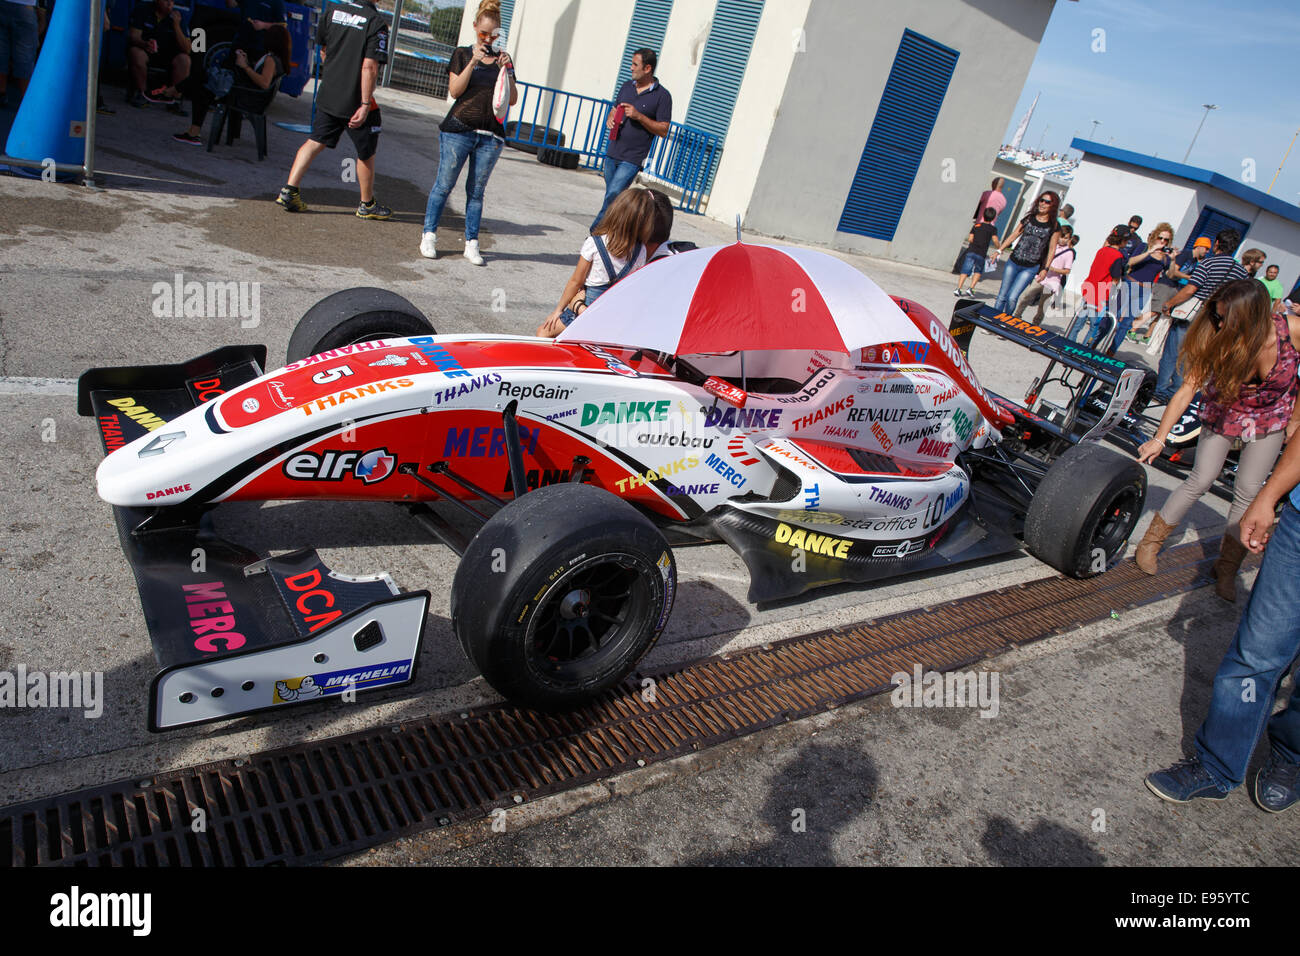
311,802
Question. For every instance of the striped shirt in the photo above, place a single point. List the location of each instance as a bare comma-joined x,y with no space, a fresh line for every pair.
1211,272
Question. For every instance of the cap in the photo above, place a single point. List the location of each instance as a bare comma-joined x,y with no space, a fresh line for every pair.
1203,241
1121,231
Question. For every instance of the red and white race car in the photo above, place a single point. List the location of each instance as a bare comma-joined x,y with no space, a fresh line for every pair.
775,399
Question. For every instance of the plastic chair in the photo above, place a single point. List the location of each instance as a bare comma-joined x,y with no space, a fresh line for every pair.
243,103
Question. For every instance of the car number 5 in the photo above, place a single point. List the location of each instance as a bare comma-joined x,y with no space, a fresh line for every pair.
331,375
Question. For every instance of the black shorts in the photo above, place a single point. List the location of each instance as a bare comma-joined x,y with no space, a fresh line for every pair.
327,129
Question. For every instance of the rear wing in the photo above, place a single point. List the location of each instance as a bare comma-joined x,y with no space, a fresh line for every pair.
1124,382
970,315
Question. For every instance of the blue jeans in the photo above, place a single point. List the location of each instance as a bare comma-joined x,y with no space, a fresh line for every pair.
453,150
1263,650
1094,319
1168,380
1015,280
618,176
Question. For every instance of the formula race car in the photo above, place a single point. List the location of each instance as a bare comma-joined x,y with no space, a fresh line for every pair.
775,399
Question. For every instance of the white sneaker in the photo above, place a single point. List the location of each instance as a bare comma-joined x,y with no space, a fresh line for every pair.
471,252
429,245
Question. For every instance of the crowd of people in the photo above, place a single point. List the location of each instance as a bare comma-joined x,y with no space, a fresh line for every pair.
1227,338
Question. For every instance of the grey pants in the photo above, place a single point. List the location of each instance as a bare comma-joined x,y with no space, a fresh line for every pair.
1257,460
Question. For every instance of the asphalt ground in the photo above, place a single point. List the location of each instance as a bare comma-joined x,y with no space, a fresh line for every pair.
1083,716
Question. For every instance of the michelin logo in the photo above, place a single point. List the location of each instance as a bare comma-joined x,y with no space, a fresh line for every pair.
305,690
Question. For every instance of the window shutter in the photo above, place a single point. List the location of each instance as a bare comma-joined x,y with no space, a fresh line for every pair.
1211,222
909,106
507,10
649,23
722,67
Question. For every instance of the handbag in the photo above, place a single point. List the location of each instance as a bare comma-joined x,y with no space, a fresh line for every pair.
501,95
1158,335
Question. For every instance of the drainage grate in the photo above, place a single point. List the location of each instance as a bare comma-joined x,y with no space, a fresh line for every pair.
315,801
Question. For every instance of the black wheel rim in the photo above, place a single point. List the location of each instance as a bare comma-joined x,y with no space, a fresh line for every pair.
590,616
1116,523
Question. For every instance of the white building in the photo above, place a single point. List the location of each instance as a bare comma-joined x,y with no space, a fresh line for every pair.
1112,184
861,124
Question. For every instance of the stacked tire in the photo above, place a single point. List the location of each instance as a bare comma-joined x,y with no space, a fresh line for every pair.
534,137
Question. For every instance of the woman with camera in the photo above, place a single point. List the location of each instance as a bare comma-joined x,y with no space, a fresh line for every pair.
471,131
1244,362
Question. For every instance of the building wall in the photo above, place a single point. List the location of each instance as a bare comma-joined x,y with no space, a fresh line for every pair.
1280,240
1106,192
572,45
830,101
749,138
679,60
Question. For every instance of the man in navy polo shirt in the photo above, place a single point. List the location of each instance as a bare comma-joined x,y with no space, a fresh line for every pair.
647,112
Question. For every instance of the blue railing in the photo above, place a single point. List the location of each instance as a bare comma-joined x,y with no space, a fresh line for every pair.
544,116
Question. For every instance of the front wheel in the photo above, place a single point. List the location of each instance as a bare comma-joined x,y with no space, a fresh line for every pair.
561,593
1085,509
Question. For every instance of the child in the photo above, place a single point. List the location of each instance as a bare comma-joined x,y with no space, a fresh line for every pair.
614,250
972,266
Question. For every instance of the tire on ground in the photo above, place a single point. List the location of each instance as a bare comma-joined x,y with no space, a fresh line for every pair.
1084,510
363,314
563,158
546,570
536,137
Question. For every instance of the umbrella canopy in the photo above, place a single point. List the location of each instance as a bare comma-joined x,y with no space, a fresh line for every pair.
744,297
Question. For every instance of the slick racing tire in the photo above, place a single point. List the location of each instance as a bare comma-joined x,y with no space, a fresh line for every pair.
1084,510
562,158
535,137
355,315
561,593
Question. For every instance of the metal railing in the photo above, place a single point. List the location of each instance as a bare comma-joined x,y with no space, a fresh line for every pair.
544,116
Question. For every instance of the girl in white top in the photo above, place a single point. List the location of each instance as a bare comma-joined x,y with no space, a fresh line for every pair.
616,249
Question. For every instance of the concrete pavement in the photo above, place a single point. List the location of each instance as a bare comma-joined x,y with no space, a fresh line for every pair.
1089,712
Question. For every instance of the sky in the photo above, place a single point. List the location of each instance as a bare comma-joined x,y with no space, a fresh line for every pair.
1145,67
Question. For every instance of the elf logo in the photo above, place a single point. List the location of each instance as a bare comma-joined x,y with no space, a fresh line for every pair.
371,466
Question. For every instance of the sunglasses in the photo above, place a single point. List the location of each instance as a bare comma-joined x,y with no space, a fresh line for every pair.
1041,201
488,36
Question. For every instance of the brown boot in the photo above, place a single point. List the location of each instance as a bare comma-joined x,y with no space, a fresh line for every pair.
1231,554
1149,547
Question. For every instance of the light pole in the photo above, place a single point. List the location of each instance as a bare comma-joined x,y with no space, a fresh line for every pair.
1093,132
1208,107
1283,163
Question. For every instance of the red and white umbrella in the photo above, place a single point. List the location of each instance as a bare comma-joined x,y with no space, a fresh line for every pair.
744,297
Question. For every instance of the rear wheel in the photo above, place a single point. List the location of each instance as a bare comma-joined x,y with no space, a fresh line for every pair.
1084,510
561,593
363,314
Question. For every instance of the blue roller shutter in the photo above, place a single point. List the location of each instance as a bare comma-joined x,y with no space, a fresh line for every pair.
722,67
649,23
909,106
507,11
1210,222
